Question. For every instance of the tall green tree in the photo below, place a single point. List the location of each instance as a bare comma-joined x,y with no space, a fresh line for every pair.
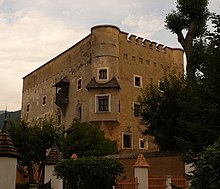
189,17
84,139
182,117
31,141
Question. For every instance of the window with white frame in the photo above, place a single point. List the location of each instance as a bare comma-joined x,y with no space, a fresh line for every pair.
79,84
161,85
138,81
143,143
127,140
137,109
103,74
103,103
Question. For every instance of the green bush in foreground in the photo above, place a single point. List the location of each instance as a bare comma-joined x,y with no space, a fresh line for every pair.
89,172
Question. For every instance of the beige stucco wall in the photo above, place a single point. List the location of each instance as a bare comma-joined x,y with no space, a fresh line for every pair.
8,168
107,47
49,175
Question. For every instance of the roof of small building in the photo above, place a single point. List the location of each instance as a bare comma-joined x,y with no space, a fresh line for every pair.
54,156
7,148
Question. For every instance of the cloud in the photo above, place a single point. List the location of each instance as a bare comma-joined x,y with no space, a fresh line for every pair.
141,23
145,25
29,39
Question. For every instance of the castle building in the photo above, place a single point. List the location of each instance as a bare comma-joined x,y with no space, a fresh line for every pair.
98,80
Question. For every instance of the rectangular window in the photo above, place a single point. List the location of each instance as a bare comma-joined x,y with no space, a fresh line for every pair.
79,84
79,112
161,85
137,81
59,119
103,74
127,140
102,103
137,110
143,144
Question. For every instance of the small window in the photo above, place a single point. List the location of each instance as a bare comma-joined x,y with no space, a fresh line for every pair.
137,110
143,144
102,103
141,60
44,100
133,58
28,108
79,84
103,73
127,140
79,112
161,85
137,81
59,119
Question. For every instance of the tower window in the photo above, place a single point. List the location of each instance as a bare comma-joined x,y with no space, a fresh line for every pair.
103,73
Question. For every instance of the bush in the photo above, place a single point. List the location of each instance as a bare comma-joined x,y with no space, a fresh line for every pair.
89,172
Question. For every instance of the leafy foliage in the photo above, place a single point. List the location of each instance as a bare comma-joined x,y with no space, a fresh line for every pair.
31,141
207,170
86,140
178,117
185,116
190,17
89,172
158,112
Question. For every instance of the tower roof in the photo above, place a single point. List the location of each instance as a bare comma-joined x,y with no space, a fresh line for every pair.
54,155
7,148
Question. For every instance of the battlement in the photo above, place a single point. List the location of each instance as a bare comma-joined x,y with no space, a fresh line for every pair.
136,40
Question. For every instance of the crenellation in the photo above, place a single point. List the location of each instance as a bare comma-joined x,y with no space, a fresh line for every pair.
153,45
146,43
139,40
159,47
132,38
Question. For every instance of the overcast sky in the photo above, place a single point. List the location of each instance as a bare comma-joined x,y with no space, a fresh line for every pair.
34,31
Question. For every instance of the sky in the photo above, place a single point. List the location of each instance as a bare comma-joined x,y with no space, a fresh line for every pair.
34,31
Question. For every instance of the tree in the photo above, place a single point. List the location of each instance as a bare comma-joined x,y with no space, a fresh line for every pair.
31,142
86,140
207,169
89,172
190,16
161,110
182,117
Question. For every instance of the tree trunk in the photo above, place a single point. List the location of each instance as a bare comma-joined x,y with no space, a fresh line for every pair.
190,67
30,173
